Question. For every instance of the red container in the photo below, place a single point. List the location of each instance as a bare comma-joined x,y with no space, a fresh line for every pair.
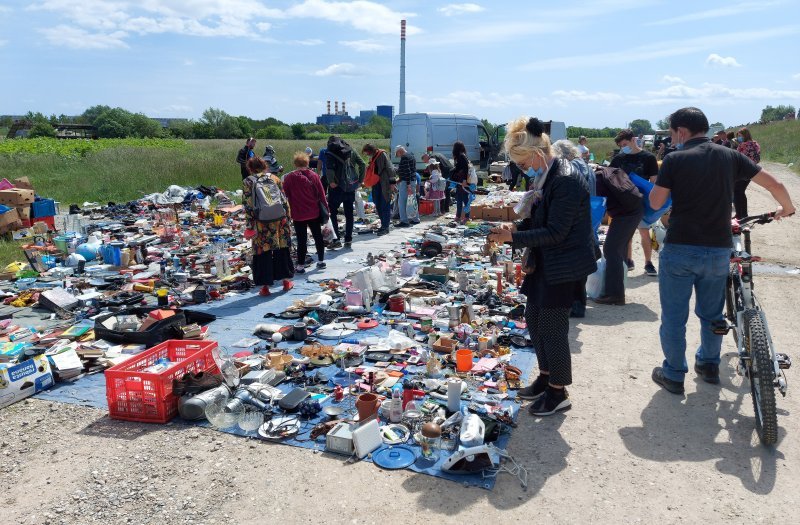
147,397
425,207
50,221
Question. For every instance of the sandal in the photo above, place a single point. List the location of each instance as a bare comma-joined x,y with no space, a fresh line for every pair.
287,285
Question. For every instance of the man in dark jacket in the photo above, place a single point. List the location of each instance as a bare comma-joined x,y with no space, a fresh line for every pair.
407,185
386,186
345,176
244,155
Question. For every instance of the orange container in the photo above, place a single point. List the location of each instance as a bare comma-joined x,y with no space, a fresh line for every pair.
463,360
425,207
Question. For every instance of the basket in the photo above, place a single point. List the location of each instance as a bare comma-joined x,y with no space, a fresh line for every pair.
147,397
425,207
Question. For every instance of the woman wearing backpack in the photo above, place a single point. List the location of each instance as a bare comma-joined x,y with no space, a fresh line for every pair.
272,239
308,207
460,177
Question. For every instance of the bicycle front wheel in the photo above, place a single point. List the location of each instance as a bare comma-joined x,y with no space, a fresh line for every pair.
762,376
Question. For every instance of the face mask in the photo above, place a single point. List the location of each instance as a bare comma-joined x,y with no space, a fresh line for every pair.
739,139
626,150
532,173
679,146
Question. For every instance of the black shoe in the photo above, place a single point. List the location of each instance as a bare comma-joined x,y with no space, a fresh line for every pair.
382,231
535,390
402,225
554,400
629,264
607,299
650,270
321,265
667,384
348,244
414,222
709,372
335,245
300,270
308,260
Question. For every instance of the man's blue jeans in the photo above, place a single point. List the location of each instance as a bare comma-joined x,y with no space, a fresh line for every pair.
684,267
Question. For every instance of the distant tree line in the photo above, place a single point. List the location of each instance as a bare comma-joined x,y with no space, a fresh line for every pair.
213,124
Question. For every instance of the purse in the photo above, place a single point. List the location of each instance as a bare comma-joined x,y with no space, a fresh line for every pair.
324,214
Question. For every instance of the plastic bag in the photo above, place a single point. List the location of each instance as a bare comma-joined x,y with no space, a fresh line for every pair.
412,207
596,283
328,233
523,207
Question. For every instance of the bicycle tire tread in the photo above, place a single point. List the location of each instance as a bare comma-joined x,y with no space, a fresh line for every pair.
757,346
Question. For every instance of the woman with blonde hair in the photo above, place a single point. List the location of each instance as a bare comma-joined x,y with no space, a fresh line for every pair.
308,207
558,243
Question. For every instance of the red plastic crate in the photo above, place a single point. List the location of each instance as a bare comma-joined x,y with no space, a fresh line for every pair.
147,397
425,207
50,221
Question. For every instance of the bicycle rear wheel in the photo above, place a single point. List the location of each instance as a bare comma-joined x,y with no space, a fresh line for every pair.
762,375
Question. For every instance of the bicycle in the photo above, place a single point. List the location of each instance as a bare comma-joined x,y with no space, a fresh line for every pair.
758,360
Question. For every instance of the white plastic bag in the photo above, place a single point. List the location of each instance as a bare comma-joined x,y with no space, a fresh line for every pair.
328,233
596,283
472,177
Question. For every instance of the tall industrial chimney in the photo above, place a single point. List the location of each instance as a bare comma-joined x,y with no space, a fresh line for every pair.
402,67
336,107
329,107
344,111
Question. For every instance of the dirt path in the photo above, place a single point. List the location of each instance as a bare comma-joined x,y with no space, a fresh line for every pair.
627,452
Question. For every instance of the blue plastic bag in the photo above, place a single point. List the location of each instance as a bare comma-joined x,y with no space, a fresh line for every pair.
645,187
598,205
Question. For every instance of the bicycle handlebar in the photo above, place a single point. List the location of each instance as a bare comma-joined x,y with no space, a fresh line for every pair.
764,218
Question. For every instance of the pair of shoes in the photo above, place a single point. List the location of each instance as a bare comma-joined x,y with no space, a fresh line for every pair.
264,292
578,310
709,372
402,225
300,270
382,231
629,263
608,299
554,400
287,285
535,390
348,244
321,265
667,384
650,270
195,383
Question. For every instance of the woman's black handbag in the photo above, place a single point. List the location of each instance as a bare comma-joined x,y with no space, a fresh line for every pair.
323,213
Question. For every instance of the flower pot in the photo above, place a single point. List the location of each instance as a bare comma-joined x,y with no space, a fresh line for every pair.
367,405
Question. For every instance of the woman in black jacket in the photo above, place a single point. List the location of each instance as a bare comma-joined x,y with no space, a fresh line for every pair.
558,242
459,177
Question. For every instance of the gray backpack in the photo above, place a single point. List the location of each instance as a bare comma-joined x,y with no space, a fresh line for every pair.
267,199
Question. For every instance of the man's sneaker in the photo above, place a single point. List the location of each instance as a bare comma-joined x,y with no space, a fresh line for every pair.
321,265
553,401
629,264
709,372
348,244
402,225
382,231
414,222
667,384
649,269
535,390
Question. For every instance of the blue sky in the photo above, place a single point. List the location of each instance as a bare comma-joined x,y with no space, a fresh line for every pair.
588,63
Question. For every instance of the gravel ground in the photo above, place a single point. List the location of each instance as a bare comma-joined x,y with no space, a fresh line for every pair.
627,451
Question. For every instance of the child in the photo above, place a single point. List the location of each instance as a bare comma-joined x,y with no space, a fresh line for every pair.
435,186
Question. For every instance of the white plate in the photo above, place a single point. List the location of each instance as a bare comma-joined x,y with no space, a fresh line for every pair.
289,426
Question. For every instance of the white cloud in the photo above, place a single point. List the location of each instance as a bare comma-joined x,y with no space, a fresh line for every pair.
77,38
344,69
715,92
796,76
720,61
308,42
263,26
460,9
364,15
464,100
364,46
669,79
3,42
583,96
714,13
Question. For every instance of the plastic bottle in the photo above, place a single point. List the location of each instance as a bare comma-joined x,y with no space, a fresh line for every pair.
396,408
176,263
451,261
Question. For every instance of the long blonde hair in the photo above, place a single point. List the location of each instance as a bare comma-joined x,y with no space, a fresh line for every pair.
525,137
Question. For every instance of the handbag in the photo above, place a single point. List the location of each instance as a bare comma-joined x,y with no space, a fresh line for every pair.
324,214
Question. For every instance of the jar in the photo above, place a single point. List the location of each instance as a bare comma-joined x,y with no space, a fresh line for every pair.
430,441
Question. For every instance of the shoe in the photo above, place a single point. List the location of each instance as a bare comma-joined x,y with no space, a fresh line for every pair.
607,299
287,285
382,231
348,244
335,245
649,269
535,390
194,384
709,372
554,400
308,260
414,222
578,310
321,265
402,225
629,263
299,270
667,384
264,292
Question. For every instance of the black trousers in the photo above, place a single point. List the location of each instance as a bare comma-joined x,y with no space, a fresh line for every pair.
739,198
549,330
336,198
302,239
615,249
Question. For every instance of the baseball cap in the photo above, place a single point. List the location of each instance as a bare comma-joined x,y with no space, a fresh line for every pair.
309,151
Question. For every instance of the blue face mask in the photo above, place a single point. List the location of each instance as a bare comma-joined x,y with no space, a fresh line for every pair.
626,150
679,146
532,173
740,139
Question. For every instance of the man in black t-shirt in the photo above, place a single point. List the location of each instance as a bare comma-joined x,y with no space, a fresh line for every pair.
699,176
633,159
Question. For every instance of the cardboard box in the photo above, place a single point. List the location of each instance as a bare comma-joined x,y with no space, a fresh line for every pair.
477,212
434,273
495,214
16,197
24,213
24,379
10,221
22,183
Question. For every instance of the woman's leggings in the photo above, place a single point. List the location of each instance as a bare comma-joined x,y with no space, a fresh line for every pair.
302,239
549,329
